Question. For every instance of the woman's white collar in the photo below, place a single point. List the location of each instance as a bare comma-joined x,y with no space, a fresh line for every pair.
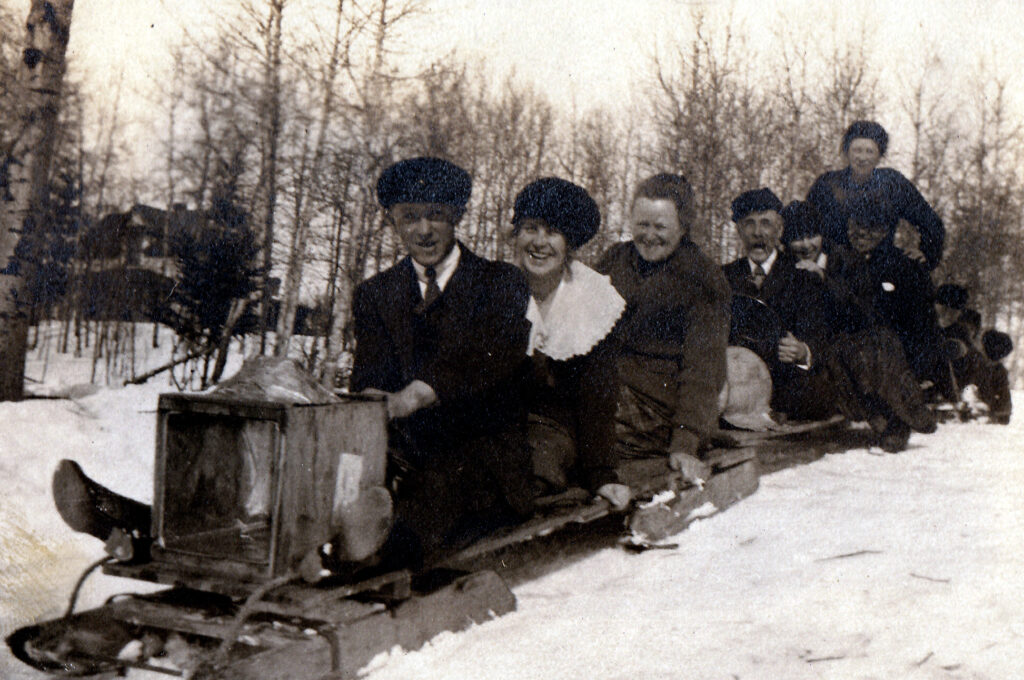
584,309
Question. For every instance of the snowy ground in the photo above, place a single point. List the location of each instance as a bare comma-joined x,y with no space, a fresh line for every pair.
856,566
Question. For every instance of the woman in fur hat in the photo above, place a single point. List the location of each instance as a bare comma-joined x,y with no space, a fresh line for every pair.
570,385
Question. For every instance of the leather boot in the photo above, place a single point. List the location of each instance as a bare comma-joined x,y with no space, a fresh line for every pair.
895,437
906,399
93,509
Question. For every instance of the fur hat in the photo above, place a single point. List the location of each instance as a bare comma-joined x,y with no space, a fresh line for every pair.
562,205
758,200
997,344
800,219
867,129
424,180
952,295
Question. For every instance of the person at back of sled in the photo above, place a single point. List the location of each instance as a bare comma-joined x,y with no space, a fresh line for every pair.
570,385
673,334
442,335
978,356
863,146
861,373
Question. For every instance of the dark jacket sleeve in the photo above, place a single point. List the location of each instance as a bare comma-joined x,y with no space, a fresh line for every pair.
822,197
487,347
597,397
809,316
374,362
911,206
702,361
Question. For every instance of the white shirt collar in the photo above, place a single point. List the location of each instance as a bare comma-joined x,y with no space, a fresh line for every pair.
822,260
767,264
444,269
583,311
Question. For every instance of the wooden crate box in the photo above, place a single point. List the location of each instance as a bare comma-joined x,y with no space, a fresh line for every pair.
244,489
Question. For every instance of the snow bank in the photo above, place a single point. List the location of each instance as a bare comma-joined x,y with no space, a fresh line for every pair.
855,566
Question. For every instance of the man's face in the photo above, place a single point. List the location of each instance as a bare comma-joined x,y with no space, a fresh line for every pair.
760,233
863,156
427,230
806,247
656,228
865,237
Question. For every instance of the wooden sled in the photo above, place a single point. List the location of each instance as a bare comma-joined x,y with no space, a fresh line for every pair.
217,628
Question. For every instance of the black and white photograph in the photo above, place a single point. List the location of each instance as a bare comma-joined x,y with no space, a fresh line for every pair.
511,339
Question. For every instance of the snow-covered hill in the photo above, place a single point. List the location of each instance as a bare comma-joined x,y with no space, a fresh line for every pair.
855,566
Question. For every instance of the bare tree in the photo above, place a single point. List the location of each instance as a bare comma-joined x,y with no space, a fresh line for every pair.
304,204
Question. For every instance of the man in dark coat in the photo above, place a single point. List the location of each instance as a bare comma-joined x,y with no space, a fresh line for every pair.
863,146
443,333
821,366
797,298
898,290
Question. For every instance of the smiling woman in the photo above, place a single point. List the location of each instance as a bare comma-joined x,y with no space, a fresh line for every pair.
570,374
674,332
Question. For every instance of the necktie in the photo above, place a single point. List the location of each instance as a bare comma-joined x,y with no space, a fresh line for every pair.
758,276
433,291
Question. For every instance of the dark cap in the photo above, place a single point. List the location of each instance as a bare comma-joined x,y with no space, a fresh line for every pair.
800,219
758,200
997,344
952,295
562,205
868,129
424,180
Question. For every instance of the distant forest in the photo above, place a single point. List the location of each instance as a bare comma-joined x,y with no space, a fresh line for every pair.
274,139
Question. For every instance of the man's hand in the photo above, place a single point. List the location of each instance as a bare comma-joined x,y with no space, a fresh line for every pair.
619,495
811,266
792,351
691,469
409,399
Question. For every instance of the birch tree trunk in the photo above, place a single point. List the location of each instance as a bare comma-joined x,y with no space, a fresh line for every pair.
270,119
39,84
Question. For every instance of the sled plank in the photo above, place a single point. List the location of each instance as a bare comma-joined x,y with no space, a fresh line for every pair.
339,652
658,520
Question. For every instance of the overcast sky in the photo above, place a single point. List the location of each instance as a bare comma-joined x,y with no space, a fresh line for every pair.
578,52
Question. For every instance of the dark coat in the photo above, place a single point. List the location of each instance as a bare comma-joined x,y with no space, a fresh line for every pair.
846,312
673,336
795,295
899,292
580,394
468,451
800,300
833,191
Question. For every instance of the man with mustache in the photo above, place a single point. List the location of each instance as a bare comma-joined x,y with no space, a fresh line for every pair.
442,334
797,298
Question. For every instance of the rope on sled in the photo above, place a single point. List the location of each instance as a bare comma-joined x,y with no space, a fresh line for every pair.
81,581
243,613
